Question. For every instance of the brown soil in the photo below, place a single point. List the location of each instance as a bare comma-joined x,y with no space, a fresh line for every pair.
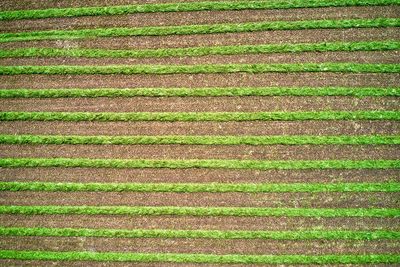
292,200
202,80
203,128
198,17
42,4
386,57
205,222
249,152
205,246
200,104
195,175
247,38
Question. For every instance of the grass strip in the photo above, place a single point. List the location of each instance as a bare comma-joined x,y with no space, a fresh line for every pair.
198,69
192,187
198,258
201,51
180,7
199,29
200,140
200,211
200,92
209,234
200,116
196,163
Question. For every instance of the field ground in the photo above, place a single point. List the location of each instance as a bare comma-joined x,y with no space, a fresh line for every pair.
190,133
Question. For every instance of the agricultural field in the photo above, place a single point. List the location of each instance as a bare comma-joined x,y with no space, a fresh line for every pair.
199,133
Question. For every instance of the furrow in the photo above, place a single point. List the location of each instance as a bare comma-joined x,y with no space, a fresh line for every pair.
201,222
201,116
330,200
198,17
197,163
204,128
122,153
201,104
212,246
239,79
200,140
154,175
200,92
211,40
356,57
194,188
199,29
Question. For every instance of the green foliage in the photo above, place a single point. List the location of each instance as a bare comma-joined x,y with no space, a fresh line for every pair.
210,234
201,51
197,163
201,211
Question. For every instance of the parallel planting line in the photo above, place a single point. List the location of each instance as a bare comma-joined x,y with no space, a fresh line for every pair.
191,187
180,7
202,51
200,211
200,116
201,140
200,92
199,29
209,234
201,68
196,163
199,258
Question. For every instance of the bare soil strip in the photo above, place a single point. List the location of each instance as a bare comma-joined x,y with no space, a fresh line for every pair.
205,246
199,17
263,152
247,38
200,104
192,222
202,80
43,4
203,128
293,200
384,57
195,175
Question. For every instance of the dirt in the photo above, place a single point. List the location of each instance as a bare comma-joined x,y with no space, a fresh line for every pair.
42,4
202,80
203,128
200,104
204,246
384,57
246,38
196,175
244,152
276,200
203,222
198,17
